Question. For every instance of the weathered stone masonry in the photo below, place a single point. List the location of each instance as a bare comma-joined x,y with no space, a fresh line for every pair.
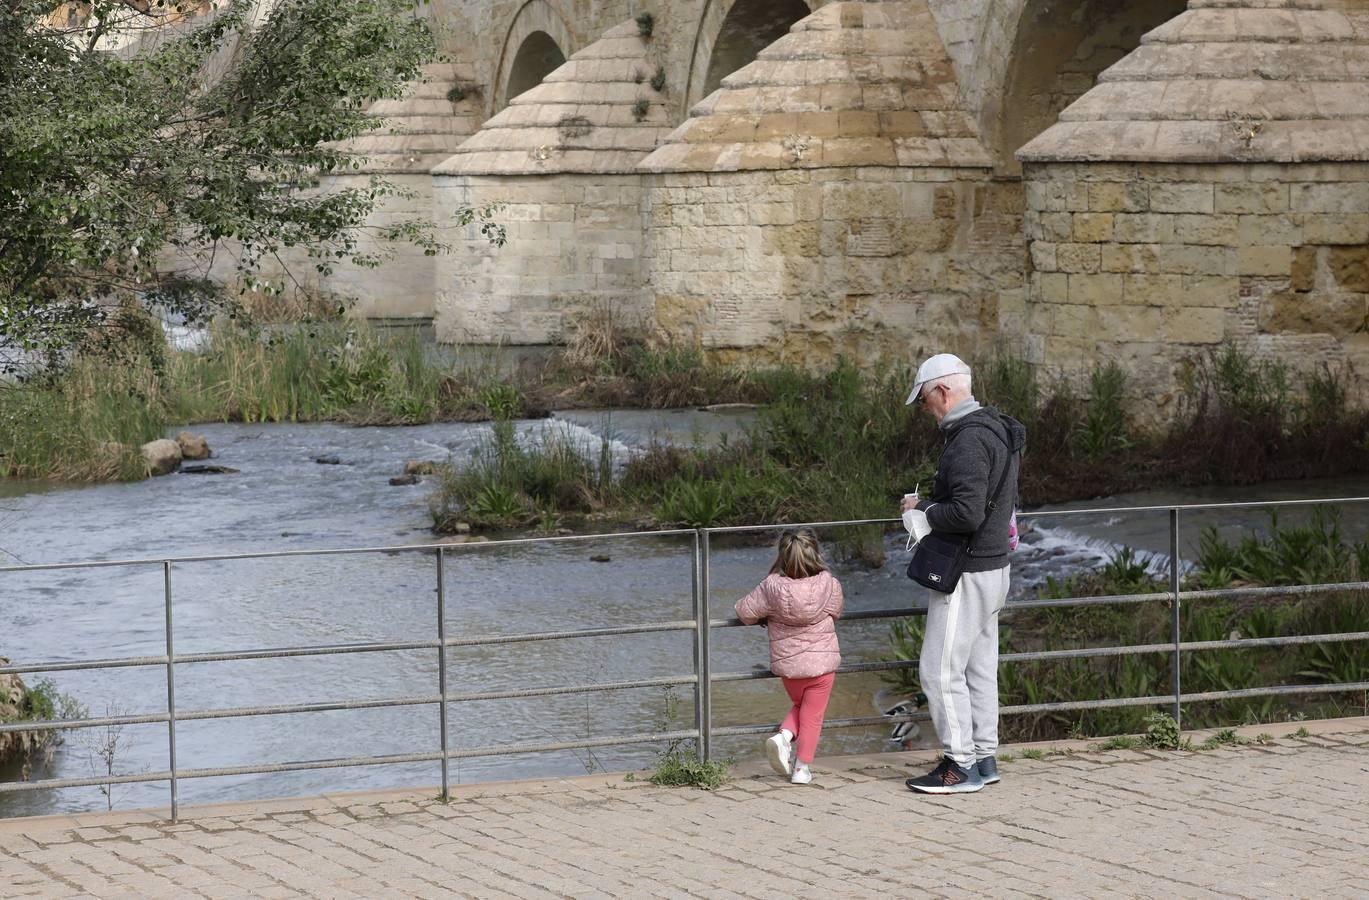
1213,187
861,186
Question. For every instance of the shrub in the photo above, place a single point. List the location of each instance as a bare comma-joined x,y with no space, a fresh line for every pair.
1302,554
1104,430
696,504
646,24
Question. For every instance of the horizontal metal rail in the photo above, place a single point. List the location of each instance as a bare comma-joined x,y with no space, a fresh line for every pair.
308,650
76,665
1292,590
518,693
1081,705
605,631
102,721
48,784
1206,696
853,722
349,551
582,744
622,535
844,669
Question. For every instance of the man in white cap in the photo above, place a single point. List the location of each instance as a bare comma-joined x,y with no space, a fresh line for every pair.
972,498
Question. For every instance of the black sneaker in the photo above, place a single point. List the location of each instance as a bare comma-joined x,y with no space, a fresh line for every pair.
988,770
948,778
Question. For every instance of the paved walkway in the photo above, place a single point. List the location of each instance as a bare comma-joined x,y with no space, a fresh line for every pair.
1288,818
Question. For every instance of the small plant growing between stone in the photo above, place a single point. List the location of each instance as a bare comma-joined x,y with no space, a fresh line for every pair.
641,108
463,90
646,23
571,127
658,80
105,747
1264,737
1120,742
1302,732
638,76
1162,732
678,765
1033,754
681,767
1227,737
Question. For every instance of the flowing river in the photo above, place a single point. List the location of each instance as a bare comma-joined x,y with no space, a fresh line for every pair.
282,499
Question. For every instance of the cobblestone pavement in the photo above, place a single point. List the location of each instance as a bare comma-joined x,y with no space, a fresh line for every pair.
1286,818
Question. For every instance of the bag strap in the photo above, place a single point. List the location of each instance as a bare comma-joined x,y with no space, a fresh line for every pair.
1002,479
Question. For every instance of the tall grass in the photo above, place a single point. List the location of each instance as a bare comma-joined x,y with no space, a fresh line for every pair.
85,426
341,371
87,421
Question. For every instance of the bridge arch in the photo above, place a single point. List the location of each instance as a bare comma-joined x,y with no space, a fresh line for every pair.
1051,53
538,41
732,32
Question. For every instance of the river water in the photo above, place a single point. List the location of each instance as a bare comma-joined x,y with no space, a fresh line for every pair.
282,499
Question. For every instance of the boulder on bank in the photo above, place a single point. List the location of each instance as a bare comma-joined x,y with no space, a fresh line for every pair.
162,456
420,467
193,446
14,744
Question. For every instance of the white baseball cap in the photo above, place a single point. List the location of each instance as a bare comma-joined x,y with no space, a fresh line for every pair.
935,367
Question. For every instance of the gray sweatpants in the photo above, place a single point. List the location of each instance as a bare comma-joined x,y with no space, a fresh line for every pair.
959,664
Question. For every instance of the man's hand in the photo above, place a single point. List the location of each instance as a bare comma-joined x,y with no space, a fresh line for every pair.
909,502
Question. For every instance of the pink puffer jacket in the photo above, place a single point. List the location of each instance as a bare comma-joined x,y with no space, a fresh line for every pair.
799,614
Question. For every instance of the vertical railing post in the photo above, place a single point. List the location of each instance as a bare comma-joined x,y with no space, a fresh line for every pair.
171,692
703,699
442,665
1175,623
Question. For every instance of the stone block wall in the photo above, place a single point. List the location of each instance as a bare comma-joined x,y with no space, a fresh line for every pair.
574,247
800,266
1152,265
401,287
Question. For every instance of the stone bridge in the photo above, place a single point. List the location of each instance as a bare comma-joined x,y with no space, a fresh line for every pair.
1279,817
1079,180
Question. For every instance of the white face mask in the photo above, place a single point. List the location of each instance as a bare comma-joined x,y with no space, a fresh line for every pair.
915,520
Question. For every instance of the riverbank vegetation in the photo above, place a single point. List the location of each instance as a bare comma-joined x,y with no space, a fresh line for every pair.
40,701
1312,552
841,445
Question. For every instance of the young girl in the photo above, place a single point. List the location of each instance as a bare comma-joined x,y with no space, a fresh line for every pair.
799,603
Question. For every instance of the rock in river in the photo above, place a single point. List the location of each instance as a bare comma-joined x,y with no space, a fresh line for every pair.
162,456
193,446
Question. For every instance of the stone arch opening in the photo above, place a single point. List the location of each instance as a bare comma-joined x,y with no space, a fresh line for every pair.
1060,48
537,42
537,57
731,36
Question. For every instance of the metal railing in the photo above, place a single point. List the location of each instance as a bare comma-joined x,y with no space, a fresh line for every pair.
701,626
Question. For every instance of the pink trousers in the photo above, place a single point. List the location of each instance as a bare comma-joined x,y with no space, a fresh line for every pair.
810,696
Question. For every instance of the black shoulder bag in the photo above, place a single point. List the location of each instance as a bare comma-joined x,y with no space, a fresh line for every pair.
939,559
